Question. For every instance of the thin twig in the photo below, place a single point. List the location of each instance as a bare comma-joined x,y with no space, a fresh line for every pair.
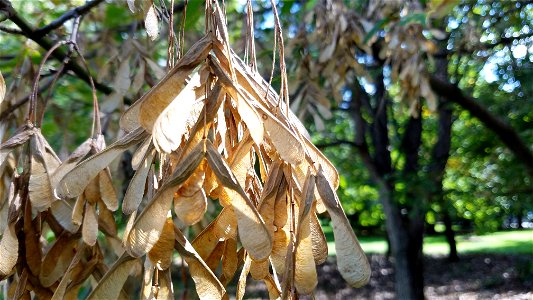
71,14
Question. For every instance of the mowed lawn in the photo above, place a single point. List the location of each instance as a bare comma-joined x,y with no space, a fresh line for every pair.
510,242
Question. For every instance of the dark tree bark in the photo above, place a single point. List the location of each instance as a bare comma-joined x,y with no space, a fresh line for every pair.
440,155
450,236
404,223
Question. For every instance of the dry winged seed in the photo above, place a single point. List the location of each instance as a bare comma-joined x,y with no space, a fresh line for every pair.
31,241
9,246
106,220
190,201
57,259
80,153
223,227
320,245
89,229
161,253
152,104
351,260
207,284
305,277
75,181
252,230
241,285
230,261
274,290
135,191
110,286
175,120
259,269
62,212
107,191
147,228
20,137
214,258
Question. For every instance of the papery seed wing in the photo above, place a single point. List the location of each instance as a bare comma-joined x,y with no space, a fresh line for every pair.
106,220
89,228
178,116
80,153
230,261
9,246
75,181
222,227
62,212
110,286
320,245
161,252
351,260
161,95
252,230
207,284
134,193
107,190
241,284
147,228
57,259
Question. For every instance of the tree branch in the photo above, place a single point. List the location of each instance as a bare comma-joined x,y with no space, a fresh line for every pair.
45,43
503,130
71,14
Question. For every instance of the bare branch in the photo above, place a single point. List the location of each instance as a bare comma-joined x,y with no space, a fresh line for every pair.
71,14
45,43
503,130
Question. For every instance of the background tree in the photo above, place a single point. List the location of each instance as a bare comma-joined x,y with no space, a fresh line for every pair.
423,105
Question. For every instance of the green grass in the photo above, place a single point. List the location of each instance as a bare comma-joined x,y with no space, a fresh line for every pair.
509,242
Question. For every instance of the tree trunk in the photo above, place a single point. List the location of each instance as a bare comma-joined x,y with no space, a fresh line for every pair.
406,236
450,236
405,224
